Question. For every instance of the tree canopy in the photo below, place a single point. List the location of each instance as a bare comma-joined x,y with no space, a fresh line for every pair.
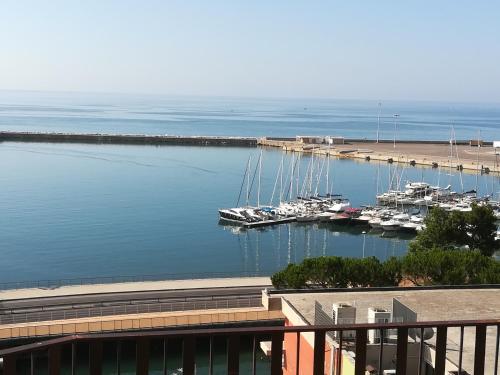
474,230
455,248
433,267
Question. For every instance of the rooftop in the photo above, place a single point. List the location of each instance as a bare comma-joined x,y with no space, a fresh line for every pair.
429,305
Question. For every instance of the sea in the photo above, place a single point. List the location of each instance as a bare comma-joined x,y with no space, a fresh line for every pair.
89,211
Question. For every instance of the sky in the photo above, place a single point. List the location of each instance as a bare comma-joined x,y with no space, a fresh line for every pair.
447,50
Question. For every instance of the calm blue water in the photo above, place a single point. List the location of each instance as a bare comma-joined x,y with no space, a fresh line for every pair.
71,210
100,113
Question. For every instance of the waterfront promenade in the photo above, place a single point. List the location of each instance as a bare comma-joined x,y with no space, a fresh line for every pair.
114,307
143,286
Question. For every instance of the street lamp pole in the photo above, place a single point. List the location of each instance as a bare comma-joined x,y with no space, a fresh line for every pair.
378,121
396,116
364,243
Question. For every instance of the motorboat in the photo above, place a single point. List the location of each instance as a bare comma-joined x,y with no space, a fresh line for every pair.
396,222
390,225
340,218
339,206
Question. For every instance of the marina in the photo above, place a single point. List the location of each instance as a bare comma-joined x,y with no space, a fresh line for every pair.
89,179
402,207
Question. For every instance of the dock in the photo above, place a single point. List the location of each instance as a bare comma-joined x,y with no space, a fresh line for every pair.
436,154
257,224
266,223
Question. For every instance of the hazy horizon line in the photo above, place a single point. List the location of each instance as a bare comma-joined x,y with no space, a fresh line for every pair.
264,97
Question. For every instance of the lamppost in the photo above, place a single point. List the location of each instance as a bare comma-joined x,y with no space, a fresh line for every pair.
364,243
396,116
378,120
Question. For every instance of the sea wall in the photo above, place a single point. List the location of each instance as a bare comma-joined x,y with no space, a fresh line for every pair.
128,139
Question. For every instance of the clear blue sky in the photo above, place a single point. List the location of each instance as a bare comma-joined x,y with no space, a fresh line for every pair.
413,49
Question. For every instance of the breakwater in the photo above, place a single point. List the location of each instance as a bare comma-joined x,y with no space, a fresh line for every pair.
136,139
434,153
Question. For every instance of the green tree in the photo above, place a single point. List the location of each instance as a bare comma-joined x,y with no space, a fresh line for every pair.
295,277
443,267
444,230
481,228
392,272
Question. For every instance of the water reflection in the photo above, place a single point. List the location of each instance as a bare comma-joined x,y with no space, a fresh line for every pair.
267,249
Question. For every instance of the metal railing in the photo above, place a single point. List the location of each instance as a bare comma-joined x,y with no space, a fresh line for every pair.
277,335
123,309
55,283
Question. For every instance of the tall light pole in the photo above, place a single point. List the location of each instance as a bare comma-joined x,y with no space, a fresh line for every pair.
378,121
364,243
396,116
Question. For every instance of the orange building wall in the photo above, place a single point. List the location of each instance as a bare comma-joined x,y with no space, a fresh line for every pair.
306,355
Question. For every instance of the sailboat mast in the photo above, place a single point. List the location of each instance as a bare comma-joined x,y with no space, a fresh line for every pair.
281,179
258,180
477,161
297,178
248,180
327,173
311,174
290,188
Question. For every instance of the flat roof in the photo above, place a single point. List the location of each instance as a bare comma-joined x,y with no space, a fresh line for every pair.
430,305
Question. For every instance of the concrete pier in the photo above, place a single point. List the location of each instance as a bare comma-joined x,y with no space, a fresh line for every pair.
435,154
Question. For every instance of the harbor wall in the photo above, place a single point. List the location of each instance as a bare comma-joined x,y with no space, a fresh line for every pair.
403,155
461,142
128,139
186,140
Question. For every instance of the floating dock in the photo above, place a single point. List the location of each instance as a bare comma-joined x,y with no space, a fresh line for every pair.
263,223
266,223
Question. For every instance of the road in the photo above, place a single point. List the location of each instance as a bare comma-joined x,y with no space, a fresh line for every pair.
106,304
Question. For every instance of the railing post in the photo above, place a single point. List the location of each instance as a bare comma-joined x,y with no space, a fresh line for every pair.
297,358
402,351
339,353
381,352
233,355
211,356
319,353
276,353
461,350
95,358
165,354
54,360
73,358
142,357
360,364
480,350
440,350
497,347
254,355
9,364
188,355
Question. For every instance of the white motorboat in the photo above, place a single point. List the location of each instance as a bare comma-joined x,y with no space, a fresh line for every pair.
375,223
390,225
396,222
340,206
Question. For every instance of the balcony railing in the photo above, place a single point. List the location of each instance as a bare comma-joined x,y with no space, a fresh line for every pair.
276,335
